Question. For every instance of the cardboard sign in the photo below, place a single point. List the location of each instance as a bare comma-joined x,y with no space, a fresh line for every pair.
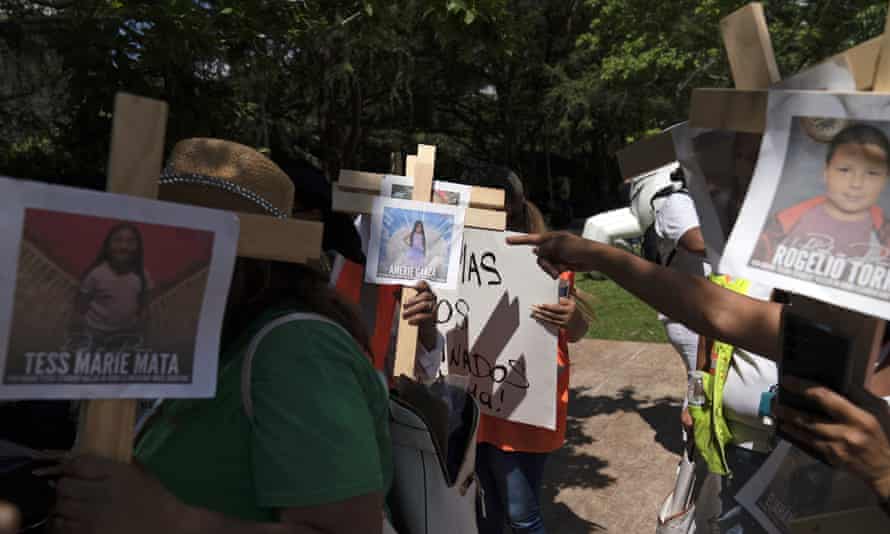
110,296
814,221
509,357
413,241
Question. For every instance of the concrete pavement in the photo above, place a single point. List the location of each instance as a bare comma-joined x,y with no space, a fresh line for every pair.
623,439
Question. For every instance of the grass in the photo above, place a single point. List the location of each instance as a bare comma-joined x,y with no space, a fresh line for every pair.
620,315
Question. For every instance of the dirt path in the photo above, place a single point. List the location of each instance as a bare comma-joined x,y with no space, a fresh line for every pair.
623,439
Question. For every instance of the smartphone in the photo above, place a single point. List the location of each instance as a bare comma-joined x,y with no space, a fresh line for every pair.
564,289
813,351
816,352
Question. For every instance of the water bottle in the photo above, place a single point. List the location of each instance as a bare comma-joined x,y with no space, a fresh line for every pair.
695,393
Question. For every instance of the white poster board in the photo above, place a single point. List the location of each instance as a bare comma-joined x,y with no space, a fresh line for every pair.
814,220
509,357
831,75
110,296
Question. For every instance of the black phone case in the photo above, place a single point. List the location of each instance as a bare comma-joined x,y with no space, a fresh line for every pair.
813,352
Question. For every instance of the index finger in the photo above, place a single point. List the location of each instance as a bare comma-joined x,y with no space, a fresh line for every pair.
527,239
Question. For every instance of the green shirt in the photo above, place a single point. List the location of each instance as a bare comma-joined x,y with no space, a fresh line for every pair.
320,432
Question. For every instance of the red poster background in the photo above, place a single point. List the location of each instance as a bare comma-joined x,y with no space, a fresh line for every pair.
73,241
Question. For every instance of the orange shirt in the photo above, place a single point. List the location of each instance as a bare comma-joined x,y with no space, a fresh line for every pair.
376,304
510,436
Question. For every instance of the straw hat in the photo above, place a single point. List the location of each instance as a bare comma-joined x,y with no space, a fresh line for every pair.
224,175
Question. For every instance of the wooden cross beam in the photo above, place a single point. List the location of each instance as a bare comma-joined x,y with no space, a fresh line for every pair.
355,192
406,339
134,168
744,110
646,154
749,48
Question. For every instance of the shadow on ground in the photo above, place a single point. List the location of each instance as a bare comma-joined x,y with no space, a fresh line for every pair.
573,468
662,414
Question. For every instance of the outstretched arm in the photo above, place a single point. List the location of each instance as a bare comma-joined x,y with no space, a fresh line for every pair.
710,310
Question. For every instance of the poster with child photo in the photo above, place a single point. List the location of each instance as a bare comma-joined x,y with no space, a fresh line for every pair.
413,241
814,220
104,294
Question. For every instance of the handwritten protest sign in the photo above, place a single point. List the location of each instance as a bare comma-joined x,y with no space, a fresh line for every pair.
122,298
814,221
490,335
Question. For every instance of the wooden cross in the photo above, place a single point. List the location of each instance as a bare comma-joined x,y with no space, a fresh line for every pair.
744,109
134,168
355,192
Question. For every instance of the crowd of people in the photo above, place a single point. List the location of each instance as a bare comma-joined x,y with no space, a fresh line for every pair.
297,437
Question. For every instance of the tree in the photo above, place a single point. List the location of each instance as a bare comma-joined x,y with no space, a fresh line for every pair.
547,87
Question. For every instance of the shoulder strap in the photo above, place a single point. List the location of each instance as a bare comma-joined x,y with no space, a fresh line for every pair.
247,364
666,192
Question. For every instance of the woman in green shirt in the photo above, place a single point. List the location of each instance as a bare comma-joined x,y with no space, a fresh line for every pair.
315,455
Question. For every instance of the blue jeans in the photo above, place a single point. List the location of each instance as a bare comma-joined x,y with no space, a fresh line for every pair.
512,485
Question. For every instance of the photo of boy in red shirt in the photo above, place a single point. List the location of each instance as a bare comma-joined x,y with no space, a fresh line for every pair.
846,221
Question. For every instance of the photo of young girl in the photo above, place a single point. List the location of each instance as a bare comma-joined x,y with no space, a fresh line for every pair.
99,299
115,290
414,241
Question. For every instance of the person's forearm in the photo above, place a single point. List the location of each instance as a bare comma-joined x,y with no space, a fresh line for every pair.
692,300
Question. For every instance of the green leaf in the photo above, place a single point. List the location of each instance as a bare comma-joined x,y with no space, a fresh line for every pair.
226,11
455,6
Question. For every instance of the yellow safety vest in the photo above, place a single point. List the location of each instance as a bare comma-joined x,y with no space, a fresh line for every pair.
711,432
